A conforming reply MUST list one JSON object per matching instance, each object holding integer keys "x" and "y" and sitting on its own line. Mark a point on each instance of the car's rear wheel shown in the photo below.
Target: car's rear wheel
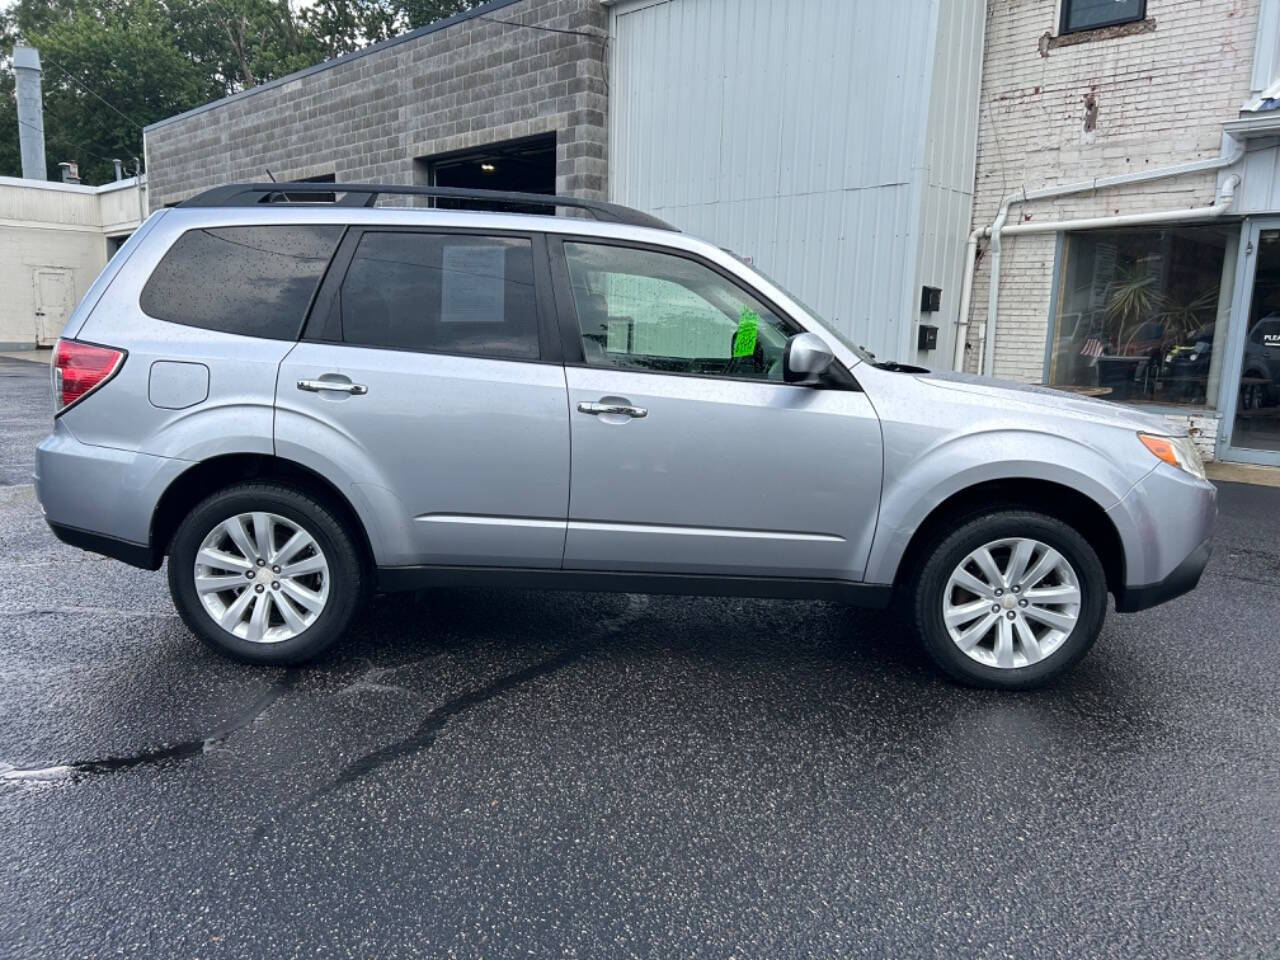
{"x": 1010, "y": 600}
{"x": 266, "y": 574}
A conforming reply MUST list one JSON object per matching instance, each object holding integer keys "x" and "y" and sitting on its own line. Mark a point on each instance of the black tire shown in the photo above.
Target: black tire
{"x": 946, "y": 554}
{"x": 348, "y": 575}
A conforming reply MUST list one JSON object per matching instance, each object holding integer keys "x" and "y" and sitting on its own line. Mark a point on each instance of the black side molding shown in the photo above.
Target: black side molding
{"x": 1183, "y": 580}
{"x": 134, "y": 554}
{"x": 875, "y": 595}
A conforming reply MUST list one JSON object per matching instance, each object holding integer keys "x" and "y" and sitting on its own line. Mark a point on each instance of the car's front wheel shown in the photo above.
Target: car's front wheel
{"x": 266, "y": 574}
{"x": 1010, "y": 599}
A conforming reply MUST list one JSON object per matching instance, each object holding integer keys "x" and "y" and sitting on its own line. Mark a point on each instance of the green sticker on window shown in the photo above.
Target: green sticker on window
{"x": 744, "y": 340}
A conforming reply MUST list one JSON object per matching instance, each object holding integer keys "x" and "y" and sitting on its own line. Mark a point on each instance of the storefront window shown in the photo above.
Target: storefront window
{"x": 1257, "y": 423}
{"x": 1141, "y": 314}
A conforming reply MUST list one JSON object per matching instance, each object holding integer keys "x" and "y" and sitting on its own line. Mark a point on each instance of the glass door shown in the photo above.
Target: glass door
{"x": 1251, "y": 392}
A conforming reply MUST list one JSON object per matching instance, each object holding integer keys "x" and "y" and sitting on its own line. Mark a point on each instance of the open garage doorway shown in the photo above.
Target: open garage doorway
{"x": 527, "y": 165}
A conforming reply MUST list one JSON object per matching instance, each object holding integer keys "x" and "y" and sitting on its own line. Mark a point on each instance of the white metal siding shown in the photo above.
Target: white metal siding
{"x": 793, "y": 133}
{"x": 1266, "y": 51}
{"x": 950, "y": 156}
{"x": 1259, "y": 172}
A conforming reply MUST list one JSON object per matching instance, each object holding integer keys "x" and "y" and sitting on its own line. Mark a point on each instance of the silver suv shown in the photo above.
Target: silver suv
{"x": 301, "y": 398}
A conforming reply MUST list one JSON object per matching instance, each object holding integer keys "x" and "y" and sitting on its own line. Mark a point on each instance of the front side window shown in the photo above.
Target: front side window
{"x": 1091, "y": 14}
{"x": 252, "y": 281}
{"x": 1138, "y": 315}
{"x": 442, "y": 293}
{"x": 662, "y": 313}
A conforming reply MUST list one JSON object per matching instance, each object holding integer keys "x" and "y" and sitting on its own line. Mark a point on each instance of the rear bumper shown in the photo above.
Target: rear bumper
{"x": 1182, "y": 580}
{"x": 134, "y": 554}
{"x": 100, "y": 498}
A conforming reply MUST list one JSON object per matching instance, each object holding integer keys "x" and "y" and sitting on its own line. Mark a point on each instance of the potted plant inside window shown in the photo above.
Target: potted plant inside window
{"x": 1132, "y": 313}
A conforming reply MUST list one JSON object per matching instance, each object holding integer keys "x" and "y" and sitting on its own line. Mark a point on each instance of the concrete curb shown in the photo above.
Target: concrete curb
{"x": 1243, "y": 473}
{"x": 31, "y": 356}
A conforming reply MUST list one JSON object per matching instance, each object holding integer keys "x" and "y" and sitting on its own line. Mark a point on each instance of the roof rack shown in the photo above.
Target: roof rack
{"x": 366, "y": 195}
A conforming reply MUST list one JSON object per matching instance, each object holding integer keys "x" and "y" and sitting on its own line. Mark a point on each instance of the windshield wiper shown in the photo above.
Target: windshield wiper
{"x": 893, "y": 366}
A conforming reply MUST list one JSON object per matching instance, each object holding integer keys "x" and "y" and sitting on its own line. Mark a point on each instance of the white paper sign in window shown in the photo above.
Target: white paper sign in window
{"x": 474, "y": 282}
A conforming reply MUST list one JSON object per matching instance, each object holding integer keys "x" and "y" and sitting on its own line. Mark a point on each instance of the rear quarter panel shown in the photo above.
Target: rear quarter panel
{"x": 109, "y": 273}
{"x": 236, "y": 415}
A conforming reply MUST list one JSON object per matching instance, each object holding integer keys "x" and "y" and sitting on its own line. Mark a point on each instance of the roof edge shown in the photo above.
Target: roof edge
{"x": 80, "y": 188}
{"x": 430, "y": 28}
{"x": 1248, "y": 125}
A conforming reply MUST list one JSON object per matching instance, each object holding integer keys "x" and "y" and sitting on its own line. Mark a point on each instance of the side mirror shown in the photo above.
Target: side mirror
{"x": 806, "y": 359}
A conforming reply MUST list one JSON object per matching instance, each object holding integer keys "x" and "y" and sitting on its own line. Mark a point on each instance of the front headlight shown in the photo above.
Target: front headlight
{"x": 1180, "y": 452}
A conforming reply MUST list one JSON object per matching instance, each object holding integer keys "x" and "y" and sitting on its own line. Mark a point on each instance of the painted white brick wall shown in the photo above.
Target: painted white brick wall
{"x": 1162, "y": 96}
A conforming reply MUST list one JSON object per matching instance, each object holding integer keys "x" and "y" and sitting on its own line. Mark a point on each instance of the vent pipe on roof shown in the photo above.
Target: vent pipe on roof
{"x": 26, "y": 68}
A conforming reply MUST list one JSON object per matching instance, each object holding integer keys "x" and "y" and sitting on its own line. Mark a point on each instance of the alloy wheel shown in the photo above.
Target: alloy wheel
{"x": 1011, "y": 603}
{"x": 261, "y": 577}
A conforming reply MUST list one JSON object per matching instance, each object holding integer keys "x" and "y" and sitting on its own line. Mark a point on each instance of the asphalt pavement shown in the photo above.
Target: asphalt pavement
{"x": 509, "y": 774}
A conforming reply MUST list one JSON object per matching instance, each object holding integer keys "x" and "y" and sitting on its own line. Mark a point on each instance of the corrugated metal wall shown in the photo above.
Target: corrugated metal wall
{"x": 950, "y": 158}
{"x": 795, "y": 134}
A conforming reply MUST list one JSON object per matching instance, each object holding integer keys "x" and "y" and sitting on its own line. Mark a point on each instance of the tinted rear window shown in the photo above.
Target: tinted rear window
{"x": 442, "y": 293}
{"x": 253, "y": 281}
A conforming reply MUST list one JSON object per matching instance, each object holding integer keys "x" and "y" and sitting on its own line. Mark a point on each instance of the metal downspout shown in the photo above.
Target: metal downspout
{"x": 966, "y": 295}
{"x": 993, "y": 289}
{"x": 987, "y": 336}
{"x": 1226, "y": 196}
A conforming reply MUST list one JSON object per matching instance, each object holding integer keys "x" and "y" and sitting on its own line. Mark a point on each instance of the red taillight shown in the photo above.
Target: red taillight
{"x": 79, "y": 369}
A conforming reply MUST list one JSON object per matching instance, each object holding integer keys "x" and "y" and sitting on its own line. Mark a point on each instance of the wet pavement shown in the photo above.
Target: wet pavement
{"x": 503, "y": 774}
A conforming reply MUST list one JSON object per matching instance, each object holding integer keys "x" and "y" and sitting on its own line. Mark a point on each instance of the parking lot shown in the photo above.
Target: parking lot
{"x": 502, "y": 774}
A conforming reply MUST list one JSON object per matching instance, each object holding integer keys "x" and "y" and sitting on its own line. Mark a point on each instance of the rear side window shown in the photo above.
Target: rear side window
{"x": 253, "y": 281}
{"x": 442, "y": 293}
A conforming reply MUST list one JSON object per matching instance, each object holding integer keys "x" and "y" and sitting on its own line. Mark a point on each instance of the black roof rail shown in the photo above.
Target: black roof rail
{"x": 366, "y": 195}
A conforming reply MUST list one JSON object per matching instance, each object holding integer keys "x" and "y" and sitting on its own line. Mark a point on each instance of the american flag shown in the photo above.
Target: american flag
{"x": 1092, "y": 348}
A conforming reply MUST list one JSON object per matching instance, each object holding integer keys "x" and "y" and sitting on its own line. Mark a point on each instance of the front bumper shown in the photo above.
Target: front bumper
{"x": 1182, "y": 580}
{"x": 1165, "y": 524}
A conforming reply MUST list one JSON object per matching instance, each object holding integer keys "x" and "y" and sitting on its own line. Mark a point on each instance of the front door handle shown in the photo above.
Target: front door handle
{"x": 616, "y": 409}
{"x": 337, "y": 386}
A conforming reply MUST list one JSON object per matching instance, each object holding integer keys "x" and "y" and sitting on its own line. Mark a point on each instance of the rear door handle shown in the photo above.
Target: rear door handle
{"x": 617, "y": 409}
{"x": 337, "y": 386}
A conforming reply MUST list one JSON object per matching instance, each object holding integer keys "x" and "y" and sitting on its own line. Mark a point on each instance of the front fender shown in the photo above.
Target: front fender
{"x": 915, "y": 486}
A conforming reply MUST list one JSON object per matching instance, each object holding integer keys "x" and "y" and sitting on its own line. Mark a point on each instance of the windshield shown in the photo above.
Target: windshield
{"x": 861, "y": 352}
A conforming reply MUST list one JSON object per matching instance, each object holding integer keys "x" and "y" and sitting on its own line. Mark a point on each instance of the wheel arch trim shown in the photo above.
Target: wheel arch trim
{"x": 207, "y": 476}
{"x": 910, "y": 516}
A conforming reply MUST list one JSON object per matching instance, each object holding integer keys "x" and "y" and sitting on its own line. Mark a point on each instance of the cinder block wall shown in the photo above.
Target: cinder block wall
{"x": 366, "y": 117}
{"x": 1162, "y": 90}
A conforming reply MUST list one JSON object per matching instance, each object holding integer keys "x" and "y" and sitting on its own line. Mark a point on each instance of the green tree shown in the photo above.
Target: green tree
{"x": 419, "y": 13}
{"x": 113, "y": 66}
{"x": 10, "y": 157}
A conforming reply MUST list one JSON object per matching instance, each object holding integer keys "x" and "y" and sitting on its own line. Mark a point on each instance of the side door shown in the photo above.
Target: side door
{"x": 54, "y": 298}
{"x": 429, "y": 378}
{"x": 690, "y": 453}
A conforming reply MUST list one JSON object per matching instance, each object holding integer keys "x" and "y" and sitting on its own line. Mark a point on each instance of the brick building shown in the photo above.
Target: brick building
{"x": 412, "y": 109}
{"x": 1163, "y": 307}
